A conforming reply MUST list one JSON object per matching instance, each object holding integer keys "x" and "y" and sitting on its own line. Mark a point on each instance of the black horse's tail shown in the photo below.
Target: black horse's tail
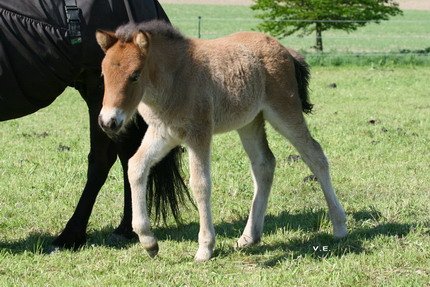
{"x": 166, "y": 191}
{"x": 302, "y": 76}
{"x": 166, "y": 187}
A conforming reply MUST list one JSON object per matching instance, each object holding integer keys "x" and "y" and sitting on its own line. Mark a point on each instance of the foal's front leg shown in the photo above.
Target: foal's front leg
{"x": 200, "y": 182}
{"x": 155, "y": 145}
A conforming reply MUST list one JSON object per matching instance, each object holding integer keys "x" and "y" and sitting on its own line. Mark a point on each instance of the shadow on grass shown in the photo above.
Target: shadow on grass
{"x": 41, "y": 243}
{"x": 307, "y": 221}
{"x": 323, "y": 245}
{"x": 35, "y": 243}
{"x": 318, "y": 245}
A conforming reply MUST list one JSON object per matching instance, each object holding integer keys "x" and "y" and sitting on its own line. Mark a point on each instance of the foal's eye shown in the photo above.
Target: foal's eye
{"x": 135, "y": 76}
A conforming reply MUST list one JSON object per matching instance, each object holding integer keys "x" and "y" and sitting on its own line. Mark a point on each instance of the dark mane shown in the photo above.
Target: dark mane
{"x": 155, "y": 27}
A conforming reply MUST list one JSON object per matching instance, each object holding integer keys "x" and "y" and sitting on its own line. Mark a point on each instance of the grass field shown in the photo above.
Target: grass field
{"x": 404, "y": 39}
{"x": 375, "y": 129}
{"x": 410, "y": 31}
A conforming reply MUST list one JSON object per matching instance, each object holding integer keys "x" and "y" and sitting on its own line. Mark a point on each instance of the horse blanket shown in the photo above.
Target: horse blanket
{"x": 38, "y": 60}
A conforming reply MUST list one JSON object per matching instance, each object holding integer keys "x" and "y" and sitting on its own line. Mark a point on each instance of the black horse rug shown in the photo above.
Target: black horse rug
{"x": 47, "y": 45}
{"x": 52, "y": 41}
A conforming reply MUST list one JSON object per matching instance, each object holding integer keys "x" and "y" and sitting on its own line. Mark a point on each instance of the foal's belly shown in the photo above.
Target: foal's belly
{"x": 234, "y": 120}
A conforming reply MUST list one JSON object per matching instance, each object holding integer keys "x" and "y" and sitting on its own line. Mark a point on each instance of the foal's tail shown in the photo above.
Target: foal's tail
{"x": 302, "y": 76}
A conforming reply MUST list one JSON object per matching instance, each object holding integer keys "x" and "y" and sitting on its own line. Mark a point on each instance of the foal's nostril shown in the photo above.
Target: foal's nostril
{"x": 112, "y": 125}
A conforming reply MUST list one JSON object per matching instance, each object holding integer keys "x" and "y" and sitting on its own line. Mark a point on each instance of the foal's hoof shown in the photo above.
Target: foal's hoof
{"x": 203, "y": 254}
{"x": 150, "y": 244}
{"x": 340, "y": 232}
{"x": 246, "y": 241}
{"x": 152, "y": 251}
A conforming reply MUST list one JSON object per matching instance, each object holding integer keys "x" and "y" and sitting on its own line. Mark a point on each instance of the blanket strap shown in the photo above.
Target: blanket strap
{"x": 73, "y": 14}
{"x": 128, "y": 9}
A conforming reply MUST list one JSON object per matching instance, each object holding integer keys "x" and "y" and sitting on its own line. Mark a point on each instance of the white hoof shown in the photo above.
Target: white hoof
{"x": 246, "y": 241}
{"x": 203, "y": 254}
{"x": 338, "y": 219}
{"x": 150, "y": 244}
{"x": 153, "y": 251}
{"x": 340, "y": 231}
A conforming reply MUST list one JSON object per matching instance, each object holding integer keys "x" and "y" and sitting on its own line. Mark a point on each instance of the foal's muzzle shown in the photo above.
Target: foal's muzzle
{"x": 111, "y": 121}
{"x": 110, "y": 126}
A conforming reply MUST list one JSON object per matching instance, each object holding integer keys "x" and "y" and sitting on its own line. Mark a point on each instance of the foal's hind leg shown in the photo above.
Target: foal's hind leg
{"x": 253, "y": 137}
{"x": 200, "y": 182}
{"x": 292, "y": 125}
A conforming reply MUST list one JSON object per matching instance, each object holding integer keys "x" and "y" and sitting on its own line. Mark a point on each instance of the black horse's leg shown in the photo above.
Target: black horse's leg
{"x": 124, "y": 228}
{"x": 166, "y": 186}
{"x": 100, "y": 159}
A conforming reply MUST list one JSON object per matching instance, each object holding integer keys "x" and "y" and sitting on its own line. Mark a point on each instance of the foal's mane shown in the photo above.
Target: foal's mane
{"x": 161, "y": 28}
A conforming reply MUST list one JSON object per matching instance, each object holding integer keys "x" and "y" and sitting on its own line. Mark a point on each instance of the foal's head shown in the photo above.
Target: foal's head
{"x": 122, "y": 69}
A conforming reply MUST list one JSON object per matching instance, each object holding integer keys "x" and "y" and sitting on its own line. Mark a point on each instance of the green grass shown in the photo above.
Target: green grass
{"x": 403, "y": 39}
{"x": 374, "y": 60}
{"x": 381, "y": 173}
{"x": 374, "y": 128}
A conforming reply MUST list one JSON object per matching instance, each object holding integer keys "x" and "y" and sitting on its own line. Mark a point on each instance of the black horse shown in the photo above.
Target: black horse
{"x": 47, "y": 45}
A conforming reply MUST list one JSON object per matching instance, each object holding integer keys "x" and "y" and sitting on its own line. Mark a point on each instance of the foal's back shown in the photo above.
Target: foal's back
{"x": 236, "y": 76}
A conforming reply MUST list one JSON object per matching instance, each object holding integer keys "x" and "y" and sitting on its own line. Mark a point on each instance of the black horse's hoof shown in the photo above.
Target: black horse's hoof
{"x": 70, "y": 240}
{"x": 125, "y": 232}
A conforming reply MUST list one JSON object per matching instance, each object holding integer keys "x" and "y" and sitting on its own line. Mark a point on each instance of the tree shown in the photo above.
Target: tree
{"x": 285, "y": 17}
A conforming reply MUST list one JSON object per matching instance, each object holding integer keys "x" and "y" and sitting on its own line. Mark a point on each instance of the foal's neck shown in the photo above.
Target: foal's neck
{"x": 165, "y": 59}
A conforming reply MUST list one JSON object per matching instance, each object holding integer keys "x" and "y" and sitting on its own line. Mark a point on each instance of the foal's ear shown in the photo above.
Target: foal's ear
{"x": 105, "y": 39}
{"x": 142, "y": 40}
